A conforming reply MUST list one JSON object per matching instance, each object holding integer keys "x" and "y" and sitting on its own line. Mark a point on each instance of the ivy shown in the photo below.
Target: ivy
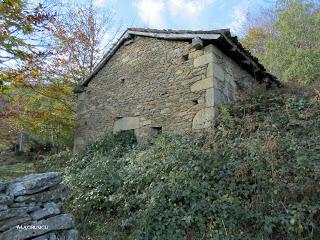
{"x": 255, "y": 175}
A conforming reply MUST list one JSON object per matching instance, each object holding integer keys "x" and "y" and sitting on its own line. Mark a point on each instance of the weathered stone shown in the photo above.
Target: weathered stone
{"x": 203, "y": 60}
{"x": 72, "y": 234}
{"x": 197, "y": 43}
{"x": 210, "y": 97}
{"x": 213, "y": 49}
{"x": 23, "y": 204}
{"x": 203, "y": 118}
{"x": 195, "y": 54}
{"x": 210, "y": 69}
{"x": 49, "y": 209}
{"x": 46, "y": 237}
{"x": 3, "y": 207}
{"x": 12, "y": 222}
{"x": 33, "y": 183}
{"x": 145, "y": 123}
{"x": 126, "y": 123}
{"x": 203, "y": 84}
{"x": 5, "y": 199}
{"x": 16, "y": 212}
{"x": 29, "y": 216}
{"x": 218, "y": 71}
{"x": 3, "y": 186}
{"x": 59, "y": 192}
{"x": 37, "y": 228}
{"x": 214, "y": 97}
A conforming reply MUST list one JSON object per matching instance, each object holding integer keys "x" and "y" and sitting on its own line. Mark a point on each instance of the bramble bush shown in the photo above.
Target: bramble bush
{"x": 254, "y": 175}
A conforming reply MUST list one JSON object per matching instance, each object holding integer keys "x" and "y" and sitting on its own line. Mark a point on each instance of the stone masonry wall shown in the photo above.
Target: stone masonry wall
{"x": 150, "y": 84}
{"x": 31, "y": 208}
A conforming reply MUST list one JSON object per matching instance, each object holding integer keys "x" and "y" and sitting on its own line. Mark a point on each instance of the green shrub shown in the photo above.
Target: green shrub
{"x": 53, "y": 162}
{"x": 254, "y": 176}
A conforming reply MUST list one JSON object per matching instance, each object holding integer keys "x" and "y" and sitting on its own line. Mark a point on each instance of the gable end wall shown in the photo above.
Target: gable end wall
{"x": 151, "y": 83}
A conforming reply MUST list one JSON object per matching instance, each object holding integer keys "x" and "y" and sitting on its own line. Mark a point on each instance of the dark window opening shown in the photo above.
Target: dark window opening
{"x": 185, "y": 57}
{"x": 122, "y": 80}
{"x": 86, "y": 123}
{"x": 156, "y": 130}
{"x": 117, "y": 118}
{"x": 195, "y": 102}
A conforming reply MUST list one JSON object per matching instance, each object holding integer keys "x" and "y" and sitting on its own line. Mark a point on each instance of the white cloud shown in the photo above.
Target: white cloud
{"x": 188, "y": 8}
{"x": 239, "y": 14}
{"x": 99, "y": 2}
{"x": 151, "y": 12}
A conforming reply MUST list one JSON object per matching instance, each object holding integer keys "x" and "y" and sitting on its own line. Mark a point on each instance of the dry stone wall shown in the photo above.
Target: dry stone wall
{"x": 31, "y": 208}
{"x": 151, "y": 84}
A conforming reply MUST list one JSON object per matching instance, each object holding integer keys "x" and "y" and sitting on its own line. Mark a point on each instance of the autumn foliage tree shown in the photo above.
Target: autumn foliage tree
{"x": 43, "y": 101}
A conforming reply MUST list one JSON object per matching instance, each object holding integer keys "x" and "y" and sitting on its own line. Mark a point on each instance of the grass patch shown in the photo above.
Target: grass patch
{"x": 11, "y": 171}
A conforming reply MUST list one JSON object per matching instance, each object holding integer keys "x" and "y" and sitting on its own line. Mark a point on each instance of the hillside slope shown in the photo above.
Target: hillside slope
{"x": 254, "y": 175}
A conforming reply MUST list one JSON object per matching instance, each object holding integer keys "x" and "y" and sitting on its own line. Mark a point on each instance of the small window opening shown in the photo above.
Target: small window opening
{"x": 195, "y": 102}
{"x": 85, "y": 123}
{"x": 156, "y": 130}
{"x": 117, "y": 118}
{"x": 122, "y": 80}
{"x": 185, "y": 57}
{"x": 164, "y": 93}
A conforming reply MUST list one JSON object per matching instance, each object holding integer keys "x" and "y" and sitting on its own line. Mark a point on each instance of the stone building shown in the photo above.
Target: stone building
{"x": 164, "y": 80}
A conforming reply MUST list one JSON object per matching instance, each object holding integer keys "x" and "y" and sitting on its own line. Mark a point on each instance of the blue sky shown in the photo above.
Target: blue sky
{"x": 183, "y": 14}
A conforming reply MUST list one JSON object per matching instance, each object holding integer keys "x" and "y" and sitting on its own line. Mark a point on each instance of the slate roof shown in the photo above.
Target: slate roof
{"x": 221, "y": 38}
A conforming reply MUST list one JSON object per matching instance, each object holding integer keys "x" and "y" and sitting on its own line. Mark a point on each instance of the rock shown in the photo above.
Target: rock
{"x": 5, "y": 199}
{"x": 203, "y": 60}
{"x": 44, "y": 237}
{"x": 37, "y": 228}
{"x": 3, "y": 186}
{"x": 16, "y": 212}
{"x": 12, "y": 222}
{"x": 206, "y": 83}
{"x": 33, "y": 183}
{"x": 203, "y": 118}
{"x": 49, "y": 209}
{"x": 72, "y": 235}
{"x": 214, "y": 97}
{"x": 22, "y": 204}
{"x": 56, "y": 193}
{"x": 126, "y": 123}
{"x": 48, "y": 236}
{"x": 197, "y": 43}
{"x": 3, "y": 207}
